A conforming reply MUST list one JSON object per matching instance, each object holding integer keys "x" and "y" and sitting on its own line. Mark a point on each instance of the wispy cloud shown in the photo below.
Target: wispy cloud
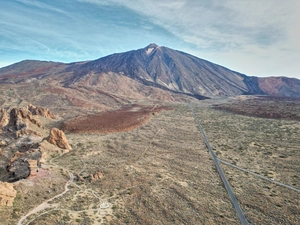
{"x": 235, "y": 33}
{"x": 41, "y": 5}
{"x": 229, "y": 30}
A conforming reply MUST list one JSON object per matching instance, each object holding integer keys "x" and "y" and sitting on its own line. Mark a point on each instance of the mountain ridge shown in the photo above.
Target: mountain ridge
{"x": 163, "y": 68}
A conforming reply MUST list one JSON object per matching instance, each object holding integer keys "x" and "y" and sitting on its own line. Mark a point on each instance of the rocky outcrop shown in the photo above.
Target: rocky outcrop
{"x": 18, "y": 170}
{"x": 19, "y": 117}
{"x": 96, "y": 176}
{"x": 33, "y": 167}
{"x": 40, "y": 111}
{"x": 7, "y": 194}
{"x": 58, "y": 138}
{"x": 3, "y": 118}
{"x": 23, "y": 164}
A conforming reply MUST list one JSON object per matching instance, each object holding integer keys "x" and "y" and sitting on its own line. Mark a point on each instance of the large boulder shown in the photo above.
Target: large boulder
{"x": 7, "y": 194}
{"x": 58, "y": 138}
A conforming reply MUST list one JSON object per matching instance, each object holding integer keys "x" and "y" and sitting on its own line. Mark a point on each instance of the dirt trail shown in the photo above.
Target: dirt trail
{"x": 46, "y": 204}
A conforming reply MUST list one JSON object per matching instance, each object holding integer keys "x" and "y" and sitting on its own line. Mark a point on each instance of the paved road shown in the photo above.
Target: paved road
{"x": 260, "y": 176}
{"x": 222, "y": 175}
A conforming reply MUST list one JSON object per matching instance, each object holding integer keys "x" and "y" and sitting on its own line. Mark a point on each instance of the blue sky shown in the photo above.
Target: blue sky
{"x": 254, "y": 37}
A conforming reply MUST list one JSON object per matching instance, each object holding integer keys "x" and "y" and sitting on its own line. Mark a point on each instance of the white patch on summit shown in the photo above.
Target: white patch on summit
{"x": 149, "y": 50}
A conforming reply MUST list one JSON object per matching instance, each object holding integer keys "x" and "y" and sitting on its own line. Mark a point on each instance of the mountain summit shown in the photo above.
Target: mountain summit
{"x": 169, "y": 70}
{"x": 173, "y": 70}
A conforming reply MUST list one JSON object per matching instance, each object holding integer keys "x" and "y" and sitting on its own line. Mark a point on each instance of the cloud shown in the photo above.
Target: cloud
{"x": 228, "y": 32}
{"x": 234, "y": 33}
{"x": 214, "y": 22}
{"x": 41, "y": 5}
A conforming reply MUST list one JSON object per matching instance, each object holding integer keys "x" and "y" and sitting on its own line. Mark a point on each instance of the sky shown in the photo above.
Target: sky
{"x": 253, "y": 37}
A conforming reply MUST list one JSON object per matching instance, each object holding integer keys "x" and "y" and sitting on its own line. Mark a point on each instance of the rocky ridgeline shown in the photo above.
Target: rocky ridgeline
{"x": 40, "y": 111}
{"x": 21, "y": 139}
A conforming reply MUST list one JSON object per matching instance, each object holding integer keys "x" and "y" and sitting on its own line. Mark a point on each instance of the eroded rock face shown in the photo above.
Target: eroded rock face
{"x": 40, "y": 111}
{"x": 7, "y": 194}
{"x": 96, "y": 176}
{"x": 18, "y": 170}
{"x": 3, "y": 118}
{"x": 58, "y": 138}
{"x": 23, "y": 164}
{"x": 18, "y": 118}
{"x": 33, "y": 166}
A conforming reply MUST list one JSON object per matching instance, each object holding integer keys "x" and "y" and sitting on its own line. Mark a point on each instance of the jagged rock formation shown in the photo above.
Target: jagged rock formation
{"x": 7, "y": 194}
{"x": 40, "y": 111}
{"x": 3, "y": 118}
{"x": 96, "y": 176}
{"x": 23, "y": 157}
{"x": 19, "y": 117}
{"x": 23, "y": 164}
{"x": 58, "y": 138}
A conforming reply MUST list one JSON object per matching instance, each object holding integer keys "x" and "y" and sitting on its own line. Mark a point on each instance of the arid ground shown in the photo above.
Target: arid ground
{"x": 161, "y": 172}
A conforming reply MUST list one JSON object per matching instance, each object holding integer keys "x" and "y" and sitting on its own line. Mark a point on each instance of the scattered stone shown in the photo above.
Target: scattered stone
{"x": 7, "y": 194}
{"x": 58, "y": 138}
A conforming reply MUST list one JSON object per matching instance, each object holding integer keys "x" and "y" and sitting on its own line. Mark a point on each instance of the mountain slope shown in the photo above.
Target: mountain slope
{"x": 280, "y": 86}
{"x": 29, "y": 68}
{"x": 156, "y": 67}
{"x": 173, "y": 70}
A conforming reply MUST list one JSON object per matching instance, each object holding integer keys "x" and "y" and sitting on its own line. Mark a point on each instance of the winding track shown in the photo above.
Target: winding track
{"x": 44, "y": 205}
{"x": 221, "y": 173}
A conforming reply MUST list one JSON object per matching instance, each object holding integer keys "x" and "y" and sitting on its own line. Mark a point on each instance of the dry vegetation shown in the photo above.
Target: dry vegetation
{"x": 161, "y": 172}
{"x": 269, "y": 147}
{"x": 265, "y": 107}
{"x": 124, "y": 119}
